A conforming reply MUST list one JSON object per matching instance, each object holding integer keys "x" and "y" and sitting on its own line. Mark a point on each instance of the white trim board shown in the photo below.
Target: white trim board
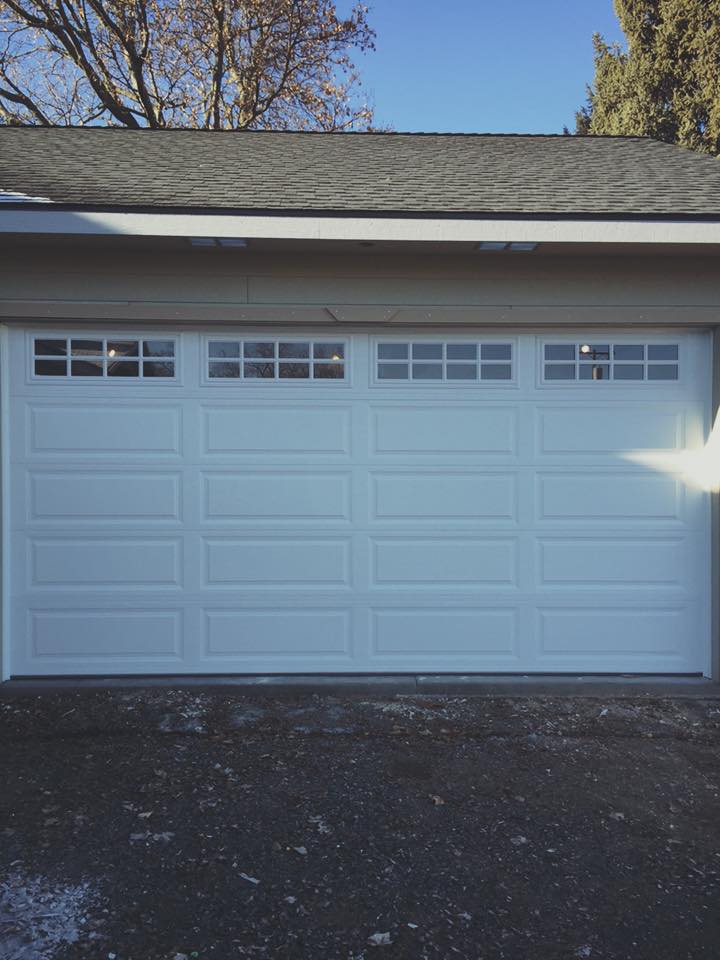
{"x": 425, "y": 229}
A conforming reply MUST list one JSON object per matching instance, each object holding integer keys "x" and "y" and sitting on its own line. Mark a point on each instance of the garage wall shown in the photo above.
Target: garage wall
{"x": 197, "y": 284}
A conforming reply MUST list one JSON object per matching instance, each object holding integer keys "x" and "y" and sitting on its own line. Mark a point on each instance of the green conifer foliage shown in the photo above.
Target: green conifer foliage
{"x": 666, "y": 82}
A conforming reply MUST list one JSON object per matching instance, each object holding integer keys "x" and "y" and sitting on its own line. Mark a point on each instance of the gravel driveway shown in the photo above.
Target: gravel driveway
{"x": 140, "y": 825}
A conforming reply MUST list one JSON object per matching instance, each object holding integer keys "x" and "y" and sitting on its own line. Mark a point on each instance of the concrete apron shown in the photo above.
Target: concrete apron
{"x": 475, "y": 685}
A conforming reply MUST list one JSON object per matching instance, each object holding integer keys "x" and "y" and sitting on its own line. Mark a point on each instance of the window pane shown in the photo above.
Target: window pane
{"x": 596, "y": 371}
{"x": 122, "y": 348}
{"x": 628, "y": 371}
{"x": 86, "y": 368}
{"x": 427, "y": 371}
{"x": 218, "y": 370}
{"x": 496, "y": 351}
{"x": 259, "y": 370}
{"x": 329, "y": 371}
{"x": 495, "y": 371}
{"x": 392, "y": 371}
{"x": 51, "y": 348}
{"x": 392, "y": 351}
{"x": 663, "y": 352}
{"x": 329, "y": 351}
{"x": 296, "y": 351}
{"x": 158, "y": 348}
{"x": 663, "y": 371}
{"x": 123, "y": 368}
{"x": 560, "y": 351}
{"x": 162, "y": 368}
{"x": 462, "y": 371}
{"x": 427, "y": 351}
{"x": 222, "y": 348}
{"x": 560, "y": 371}
{"x": 257, "y": 349}
{"x": 294, "y": 371}
{"x": 598, "y": 351}
{"x": 50, "y": 368}
{"x": 462, "y": 351}
{"x": 92, "y": 348}
{"x": 627, "y": 352}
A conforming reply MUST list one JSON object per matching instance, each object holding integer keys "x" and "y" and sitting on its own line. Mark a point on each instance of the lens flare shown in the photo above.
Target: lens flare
{"x": 698, "y": 468}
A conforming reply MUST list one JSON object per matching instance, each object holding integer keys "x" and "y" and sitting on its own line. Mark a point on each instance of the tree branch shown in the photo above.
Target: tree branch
{"x": 14, "y": 95}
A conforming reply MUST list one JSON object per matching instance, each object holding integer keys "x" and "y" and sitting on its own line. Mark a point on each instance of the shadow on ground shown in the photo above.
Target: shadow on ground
{"x": 155, "y": 825}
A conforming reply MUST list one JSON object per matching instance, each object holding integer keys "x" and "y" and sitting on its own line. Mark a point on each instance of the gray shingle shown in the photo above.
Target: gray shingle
{"x": 364, "y": 173}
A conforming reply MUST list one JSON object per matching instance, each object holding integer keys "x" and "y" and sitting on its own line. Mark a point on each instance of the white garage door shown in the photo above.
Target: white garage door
{"x": 284, "y": 502}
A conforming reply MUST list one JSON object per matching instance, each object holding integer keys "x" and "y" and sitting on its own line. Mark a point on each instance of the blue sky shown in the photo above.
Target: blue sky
{"x": 501, "y": 66}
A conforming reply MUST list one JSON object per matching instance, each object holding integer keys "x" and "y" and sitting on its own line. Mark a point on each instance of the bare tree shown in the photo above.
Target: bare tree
{"x": 218, "y": 64}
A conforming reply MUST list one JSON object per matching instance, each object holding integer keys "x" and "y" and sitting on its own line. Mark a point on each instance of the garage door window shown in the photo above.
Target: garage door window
{"x": 451, "y": 362}
{"x": 124, "y": 357}
{"x": 602, "y": 362}
{"x": 276, "y": 360}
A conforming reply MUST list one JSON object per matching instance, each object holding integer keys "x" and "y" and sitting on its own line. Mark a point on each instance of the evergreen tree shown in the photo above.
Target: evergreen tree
{"x": 666, "y": 83}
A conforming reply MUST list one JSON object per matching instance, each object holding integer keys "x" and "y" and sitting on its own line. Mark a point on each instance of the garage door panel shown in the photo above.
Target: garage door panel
{"x": 277, "y": 496}
{"x": 605, "y": 632}
{"x": 104, "y": 562}
{"x": 105, "y": 634}
{"x": 444, "y": 430}
{"x": 619, "y": 497}
{"x": 100, "y": 429}
{"x": 623, "y": 563}
{"x": 277, "y": 563}
{"x": 300, "y": 632}
{"x": 612, "y": 429}
{"x": 440, "y": 562}
{"x": 257, "y": 428}
{"x": 108, "y": 497}
{"x": 424, "y": 496}
{"x": 441, "y": 632}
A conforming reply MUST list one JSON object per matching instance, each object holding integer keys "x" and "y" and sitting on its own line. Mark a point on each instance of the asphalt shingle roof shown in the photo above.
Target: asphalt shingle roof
{"x": 395, "y": 173}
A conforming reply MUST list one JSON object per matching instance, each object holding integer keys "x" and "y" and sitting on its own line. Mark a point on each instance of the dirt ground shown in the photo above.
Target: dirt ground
{"x": 164, "y": 825}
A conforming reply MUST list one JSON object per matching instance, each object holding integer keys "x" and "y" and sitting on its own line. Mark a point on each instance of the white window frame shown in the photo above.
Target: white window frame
{"x": 106, "y": 335}
{"x": 613, "y": 340}
{"x": 285, "y": 383}
{"x": 444, "y": 383}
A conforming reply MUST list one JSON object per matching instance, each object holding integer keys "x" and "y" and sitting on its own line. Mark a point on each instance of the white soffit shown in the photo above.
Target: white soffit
{"x": 45, "y": 221}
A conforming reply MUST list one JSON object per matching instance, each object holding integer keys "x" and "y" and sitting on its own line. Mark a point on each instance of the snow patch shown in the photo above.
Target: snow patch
{"x": 38, "y": 917}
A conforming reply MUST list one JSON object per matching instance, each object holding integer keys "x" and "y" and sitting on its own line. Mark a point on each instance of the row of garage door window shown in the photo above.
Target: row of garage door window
{"x": 230, "y": 359}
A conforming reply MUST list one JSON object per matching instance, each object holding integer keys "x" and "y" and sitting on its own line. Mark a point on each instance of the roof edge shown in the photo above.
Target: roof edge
{"x": 368, "y": 214}
{"x": 486, "y": 134}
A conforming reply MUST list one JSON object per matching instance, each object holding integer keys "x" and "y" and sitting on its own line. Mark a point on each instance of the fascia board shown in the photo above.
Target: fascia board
{"x": 425, "y": 230}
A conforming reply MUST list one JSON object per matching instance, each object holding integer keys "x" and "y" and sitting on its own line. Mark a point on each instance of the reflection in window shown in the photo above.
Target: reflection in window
{"x": 439, "y": 361}
{"x": 276, "y": 360}
{"x": 602, "y": 362}
{"x": 97, "y": 357}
